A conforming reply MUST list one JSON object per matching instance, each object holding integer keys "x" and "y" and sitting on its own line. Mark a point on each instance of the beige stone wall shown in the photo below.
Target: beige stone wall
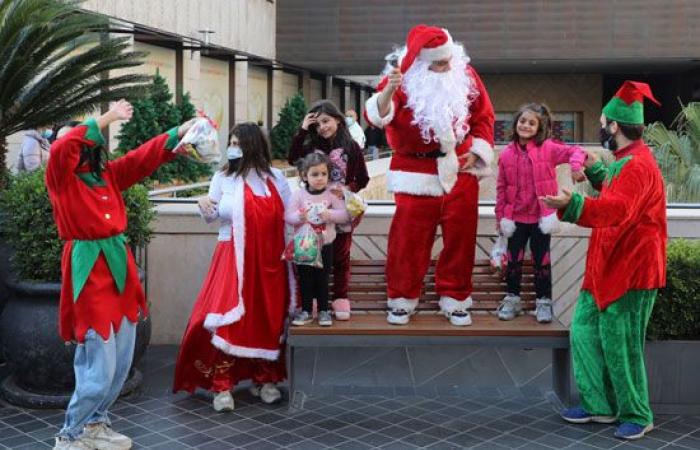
{"x": 315, "y": 91}
{"x": 246, "y": 25}
{"x": 561, "y": 92}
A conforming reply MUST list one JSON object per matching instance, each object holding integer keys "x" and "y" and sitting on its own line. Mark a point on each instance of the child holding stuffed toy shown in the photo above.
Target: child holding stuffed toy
{"x": 314, "y": 204}
{"x": 526, "y": 172}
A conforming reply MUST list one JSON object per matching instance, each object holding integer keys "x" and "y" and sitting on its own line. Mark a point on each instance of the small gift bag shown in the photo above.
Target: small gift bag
{"x": 498, "y": 253}
{"x": 355, "y": 205}
{"x": 201, "y": 142}
{"x": 305, "y": 248}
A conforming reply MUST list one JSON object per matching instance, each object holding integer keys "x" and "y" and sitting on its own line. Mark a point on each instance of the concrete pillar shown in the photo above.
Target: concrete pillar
{"x": 241, "y": 111}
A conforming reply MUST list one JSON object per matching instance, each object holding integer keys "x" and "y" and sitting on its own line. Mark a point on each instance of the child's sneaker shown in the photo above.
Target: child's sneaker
{"x": 398, "y": 316}
{"x": 325, "y": 319}
{"x": 301, "y": 318}
{"x": 543, "y": 310}
{"x": 341, "y": 308}
{"x": 579, "y": 415}
{"x": 631, "y": 431}
{"x": 510, "y": 307}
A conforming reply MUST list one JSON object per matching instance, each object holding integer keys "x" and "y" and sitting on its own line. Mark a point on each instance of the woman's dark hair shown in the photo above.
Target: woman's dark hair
{"x": 544, "y": 117}
{"x": 255, "y": 148}
{"x": 57, "y": 127}
{"x": 342, "y": 137}
{"x": 311, "y": 160}
{"x": 95, "y": 158}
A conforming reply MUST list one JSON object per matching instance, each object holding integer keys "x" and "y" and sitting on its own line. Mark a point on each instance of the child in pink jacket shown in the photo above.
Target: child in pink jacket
{"x": 314, "y": 203}
{"x": 527, "y": 172}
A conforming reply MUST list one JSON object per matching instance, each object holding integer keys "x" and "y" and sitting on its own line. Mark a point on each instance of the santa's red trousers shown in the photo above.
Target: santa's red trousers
{"x": 412, "y": 235}
{"x": 341, "y": 264}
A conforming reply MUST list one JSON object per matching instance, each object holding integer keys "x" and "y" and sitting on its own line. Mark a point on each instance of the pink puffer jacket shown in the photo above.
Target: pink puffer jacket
{"x": 512, "y": 179}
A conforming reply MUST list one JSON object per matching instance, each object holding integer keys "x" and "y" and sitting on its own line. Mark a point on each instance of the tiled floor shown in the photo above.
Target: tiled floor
{"x": 156, "y": 419}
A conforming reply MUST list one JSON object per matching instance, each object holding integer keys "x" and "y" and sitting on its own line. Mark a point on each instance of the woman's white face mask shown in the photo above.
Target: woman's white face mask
{"x": 234, "y": 152}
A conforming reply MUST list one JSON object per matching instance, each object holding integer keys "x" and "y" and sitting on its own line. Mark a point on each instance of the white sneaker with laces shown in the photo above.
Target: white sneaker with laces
{"x": 66, "y": 444}
{"x": 268, "y": 393}
{"x": 223, "y": 401}
{"x": 102, "y": 437}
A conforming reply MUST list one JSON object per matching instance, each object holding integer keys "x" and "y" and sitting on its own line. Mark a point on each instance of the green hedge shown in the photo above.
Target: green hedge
{"x": 677, "y": 310}
{"x": 27, "y": 225}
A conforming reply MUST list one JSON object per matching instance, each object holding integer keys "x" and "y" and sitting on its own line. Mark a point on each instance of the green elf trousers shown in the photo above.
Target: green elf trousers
{"x": 608, "y": 355}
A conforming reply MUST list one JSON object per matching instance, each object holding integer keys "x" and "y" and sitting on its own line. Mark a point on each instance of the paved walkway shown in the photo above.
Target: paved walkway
{"x": 156, "y": 419}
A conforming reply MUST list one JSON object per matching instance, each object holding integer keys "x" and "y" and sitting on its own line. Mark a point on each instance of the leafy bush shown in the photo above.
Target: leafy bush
{"x": 677, "y": 310}
{"x": 27, "y": 225}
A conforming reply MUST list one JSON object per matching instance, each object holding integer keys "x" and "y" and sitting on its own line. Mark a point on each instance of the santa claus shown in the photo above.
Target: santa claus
{"x": 439, "y": 122}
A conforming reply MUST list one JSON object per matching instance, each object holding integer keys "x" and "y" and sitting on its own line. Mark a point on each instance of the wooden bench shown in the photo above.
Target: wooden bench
{"x": 368, "y": 326}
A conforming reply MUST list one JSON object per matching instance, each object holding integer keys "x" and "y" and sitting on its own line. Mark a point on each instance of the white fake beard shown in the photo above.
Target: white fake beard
{"x": 440, "y": 100}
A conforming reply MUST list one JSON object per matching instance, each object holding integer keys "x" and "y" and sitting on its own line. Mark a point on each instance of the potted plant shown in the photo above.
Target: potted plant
{"x": 673, "y": 352}
{"x": 41, "y": 364}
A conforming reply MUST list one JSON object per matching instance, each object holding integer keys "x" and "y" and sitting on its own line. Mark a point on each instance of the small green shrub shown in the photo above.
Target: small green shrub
{"x": 676, "y": 313}
{"x": 27, "y": 225}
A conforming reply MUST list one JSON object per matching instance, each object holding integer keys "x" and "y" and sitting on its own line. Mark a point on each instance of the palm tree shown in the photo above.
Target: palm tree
{"x": 54, "y": 65}
{"x": 678, "y": 153}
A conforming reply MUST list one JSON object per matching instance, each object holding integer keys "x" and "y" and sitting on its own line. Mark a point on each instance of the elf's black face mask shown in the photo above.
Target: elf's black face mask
{"x": 607, "y": 140}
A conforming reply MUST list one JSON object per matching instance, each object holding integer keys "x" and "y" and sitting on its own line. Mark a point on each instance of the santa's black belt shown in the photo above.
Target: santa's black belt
{"x": 433, "y": 154}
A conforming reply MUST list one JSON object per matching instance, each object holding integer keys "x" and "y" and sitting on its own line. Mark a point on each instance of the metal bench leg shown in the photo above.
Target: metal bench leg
{"x": 561, "y": 374}
{"x": 290, "y": 369}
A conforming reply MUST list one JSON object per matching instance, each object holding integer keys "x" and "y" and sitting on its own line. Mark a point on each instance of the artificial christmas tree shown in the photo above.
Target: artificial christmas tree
{"x": 153, "y": 114}
{"x": 290, "y": 118}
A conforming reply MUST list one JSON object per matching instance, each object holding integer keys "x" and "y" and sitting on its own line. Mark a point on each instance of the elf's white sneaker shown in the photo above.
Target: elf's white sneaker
{"x": 268, "y": 393}
{"x": 102, "y": 437}
{"x": 66, "y": 444}
{"x": 223, "y": 401}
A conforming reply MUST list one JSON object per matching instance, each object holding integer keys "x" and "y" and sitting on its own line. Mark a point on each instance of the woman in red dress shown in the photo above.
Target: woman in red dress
{"x": 238, "y": 323}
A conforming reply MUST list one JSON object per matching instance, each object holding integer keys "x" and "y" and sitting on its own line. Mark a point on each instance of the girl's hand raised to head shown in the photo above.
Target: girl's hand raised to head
{"x": 309, "y": 119}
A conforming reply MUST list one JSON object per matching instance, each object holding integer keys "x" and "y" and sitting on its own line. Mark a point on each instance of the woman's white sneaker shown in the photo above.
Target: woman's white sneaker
{"x": 223, "y": 401}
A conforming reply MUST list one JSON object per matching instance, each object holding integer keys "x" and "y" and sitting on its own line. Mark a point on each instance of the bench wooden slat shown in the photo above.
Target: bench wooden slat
{"x": 436, "y": 325}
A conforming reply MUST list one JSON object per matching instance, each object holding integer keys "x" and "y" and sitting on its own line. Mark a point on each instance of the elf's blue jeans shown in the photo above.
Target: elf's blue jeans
{"x": 101, "y": 368}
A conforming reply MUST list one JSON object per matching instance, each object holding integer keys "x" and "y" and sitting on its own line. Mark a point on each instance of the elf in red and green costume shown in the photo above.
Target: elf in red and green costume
{"x": 101, "y": 295}
{"x": 625, "y": 265}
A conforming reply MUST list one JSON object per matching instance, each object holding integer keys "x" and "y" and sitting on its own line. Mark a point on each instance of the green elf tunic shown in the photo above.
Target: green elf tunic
{"x": 626, "y": 264}
{"x": 100, "y": 283}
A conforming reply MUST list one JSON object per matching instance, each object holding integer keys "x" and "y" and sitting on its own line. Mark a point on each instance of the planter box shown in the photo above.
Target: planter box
{"x": 673, "y": 368}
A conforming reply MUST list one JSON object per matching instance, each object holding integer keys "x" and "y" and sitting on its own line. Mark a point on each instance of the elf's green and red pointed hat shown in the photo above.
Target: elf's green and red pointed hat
{"x": 627, "y": 106}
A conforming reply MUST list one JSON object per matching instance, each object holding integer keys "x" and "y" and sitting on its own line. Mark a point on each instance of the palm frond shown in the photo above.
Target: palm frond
{"x": 55, "y": 63}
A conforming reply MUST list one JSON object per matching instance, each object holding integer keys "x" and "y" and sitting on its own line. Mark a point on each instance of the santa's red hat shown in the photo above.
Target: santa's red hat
{"x": 427, "y": 44}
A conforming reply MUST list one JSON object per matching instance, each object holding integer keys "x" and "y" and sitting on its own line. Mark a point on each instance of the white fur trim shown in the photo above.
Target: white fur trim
{"x": 244, "y": 352}
{"x": 437, "y": 53}
{"x": 407, "y": 304}
{"x": 549, "y": 224}
{"x": 483, "y": 150}
{"x": 372, "y": 109}
{"x": 450, "y": 305}
{"x": 414, "y": 183}
{"x": 507, "y": 227}
{"x": 448, "y": 165}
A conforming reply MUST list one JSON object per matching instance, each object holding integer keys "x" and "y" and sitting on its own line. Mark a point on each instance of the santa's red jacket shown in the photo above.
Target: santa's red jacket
{"x": 413, "y": 174}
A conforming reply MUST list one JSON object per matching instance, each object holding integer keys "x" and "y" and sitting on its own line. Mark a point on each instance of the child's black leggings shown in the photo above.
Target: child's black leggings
{"x": 539, "y": 246}
{"x": 314, "y": 281}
